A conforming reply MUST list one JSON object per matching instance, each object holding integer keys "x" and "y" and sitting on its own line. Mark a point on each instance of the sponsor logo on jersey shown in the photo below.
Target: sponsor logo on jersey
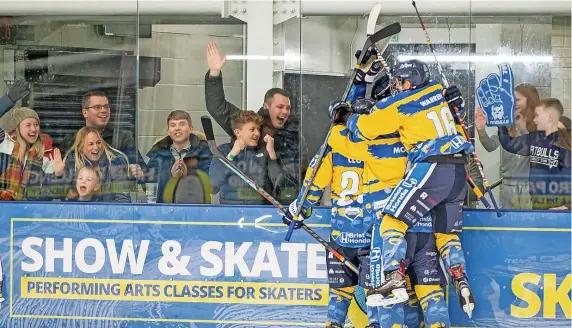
{"x": 375, "y": 254}
{"x": 352, "y": 211}
{"x": 354, "y": 238}
{"x": 379, "y": 204}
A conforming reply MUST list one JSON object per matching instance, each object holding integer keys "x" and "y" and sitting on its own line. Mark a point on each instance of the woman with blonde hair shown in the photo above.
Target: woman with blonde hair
{"x": 25, "y": 157}
{"x": 89, "y": 149}
{"x": 514, "y": 169}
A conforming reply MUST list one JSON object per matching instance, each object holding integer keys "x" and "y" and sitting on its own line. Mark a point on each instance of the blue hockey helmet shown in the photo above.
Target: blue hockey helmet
{"x": 414, "y": 71}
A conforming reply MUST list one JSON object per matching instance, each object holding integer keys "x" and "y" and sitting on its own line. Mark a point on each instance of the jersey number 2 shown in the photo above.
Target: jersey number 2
{"x": 350, "y": 186}
{"x": 444, "y": 123}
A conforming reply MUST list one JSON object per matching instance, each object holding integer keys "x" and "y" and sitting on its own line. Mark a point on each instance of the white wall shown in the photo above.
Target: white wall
{"x": 182, "y": 49}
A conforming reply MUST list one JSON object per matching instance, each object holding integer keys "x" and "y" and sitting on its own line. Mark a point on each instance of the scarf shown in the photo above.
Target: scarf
{"x": 14, "y": 180}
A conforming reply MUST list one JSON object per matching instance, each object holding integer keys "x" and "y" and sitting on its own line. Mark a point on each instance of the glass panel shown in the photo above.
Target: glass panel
{"x": 524, "y": 43}
{"x": 171, "y": 136}
{"x": 49, "y": 66}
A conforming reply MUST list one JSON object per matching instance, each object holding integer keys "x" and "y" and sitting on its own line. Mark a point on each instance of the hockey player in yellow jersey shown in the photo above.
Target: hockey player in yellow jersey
{"x": 436, "y": 181}
{"x": 385, "y": 163}
{"x": 350, "y": 228}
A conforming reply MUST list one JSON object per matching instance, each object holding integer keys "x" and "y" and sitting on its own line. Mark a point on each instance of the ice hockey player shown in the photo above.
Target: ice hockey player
{"x": 385, "y": 163}
{"x": 436, "y": 181}
{"x": 350, "y": 228}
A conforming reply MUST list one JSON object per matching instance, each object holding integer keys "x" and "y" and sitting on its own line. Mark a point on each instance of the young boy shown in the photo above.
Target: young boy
{"x": 549, "y": 151}
{"x": 256, "y": 159}
{"x": 88, "y": 184}
{"x": 173, "y": 156}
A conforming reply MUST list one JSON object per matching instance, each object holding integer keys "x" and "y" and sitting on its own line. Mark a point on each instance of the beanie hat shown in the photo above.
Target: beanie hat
{"x": 22, "y": 113}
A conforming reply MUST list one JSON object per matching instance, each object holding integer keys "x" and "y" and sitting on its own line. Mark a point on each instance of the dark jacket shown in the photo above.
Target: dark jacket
{"x": 252, "y": 161}
{"x": 289, "y": 144}
{"x": 161, "y": 160}
{"x": 114, "y": 178}
{"x": 550, "y": 167}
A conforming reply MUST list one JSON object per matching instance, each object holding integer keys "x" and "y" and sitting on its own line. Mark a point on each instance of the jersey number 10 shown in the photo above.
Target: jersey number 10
{"x": 445, "y": 124}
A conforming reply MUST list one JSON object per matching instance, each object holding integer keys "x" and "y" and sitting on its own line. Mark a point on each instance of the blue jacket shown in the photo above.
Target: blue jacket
{"x": 550, "y": 168}
{"x": 161, "y": 160}
{"x": 252, "y": 161}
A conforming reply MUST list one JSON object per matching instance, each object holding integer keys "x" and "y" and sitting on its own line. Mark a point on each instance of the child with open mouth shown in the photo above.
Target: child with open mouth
{"x": 87, "y": 185}
{"x": 90, "y": 150}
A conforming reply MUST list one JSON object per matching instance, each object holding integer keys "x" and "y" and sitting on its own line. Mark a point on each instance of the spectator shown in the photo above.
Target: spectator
{"x": 87, "y": 185}
{"x": 549, "y": 151}
{"x": 97, "y": 111}
{"x": 289, "y": 144}
{"x": 257, "y": 162}
{"x": 514, "y": 168}
{"x": 89, "y": 149}
{"x": 177, "y": 155}
{"x": 25, "y": 155}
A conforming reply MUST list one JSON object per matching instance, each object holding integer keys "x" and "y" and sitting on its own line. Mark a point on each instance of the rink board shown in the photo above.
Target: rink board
{"x": 213, "y": 266}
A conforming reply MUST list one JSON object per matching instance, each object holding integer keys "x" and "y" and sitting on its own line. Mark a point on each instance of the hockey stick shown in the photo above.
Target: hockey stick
{"x": 386, "y": 32}
{"x": 208, "y": 130}
{"x": 459, "y": 118}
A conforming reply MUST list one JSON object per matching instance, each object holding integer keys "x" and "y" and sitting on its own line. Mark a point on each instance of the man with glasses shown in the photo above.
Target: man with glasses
{"x": 96, "y": 110}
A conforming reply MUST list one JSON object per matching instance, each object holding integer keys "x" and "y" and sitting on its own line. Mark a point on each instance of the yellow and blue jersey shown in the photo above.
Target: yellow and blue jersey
{"x": 422, "y": 118}
{"x": 385, "y": 162}
{"x": 350, "y": 228}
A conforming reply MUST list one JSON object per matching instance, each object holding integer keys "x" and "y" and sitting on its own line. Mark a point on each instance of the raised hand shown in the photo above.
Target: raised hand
{"x": 480, "y": 119}
{"x": 215, "y": 60}
{"x": 18, "y": 90}
{"x": 270, "y": 146}
{"x": 58, "y": 163}
{"x": 496, "y": 95}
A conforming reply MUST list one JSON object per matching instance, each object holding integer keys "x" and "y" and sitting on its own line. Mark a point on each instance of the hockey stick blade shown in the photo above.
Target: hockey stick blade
{"x": 372, "y": 19}
{"x": 208, "y": 130}
{"x": 207, "y": 127}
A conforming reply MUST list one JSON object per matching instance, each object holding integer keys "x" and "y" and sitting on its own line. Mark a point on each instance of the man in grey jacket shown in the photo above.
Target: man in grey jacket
{"x": 288, "y": 141}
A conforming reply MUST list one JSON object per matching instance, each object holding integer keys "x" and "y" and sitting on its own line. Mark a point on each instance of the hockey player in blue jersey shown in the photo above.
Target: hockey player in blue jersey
{"x": 435, "y": 183}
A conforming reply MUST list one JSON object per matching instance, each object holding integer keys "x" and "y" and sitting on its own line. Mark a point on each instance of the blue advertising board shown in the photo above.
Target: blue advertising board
{"x": 223, "y": 266}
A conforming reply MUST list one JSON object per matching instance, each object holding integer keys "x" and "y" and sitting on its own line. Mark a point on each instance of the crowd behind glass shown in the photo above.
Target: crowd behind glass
{"x": 101, "y": 164}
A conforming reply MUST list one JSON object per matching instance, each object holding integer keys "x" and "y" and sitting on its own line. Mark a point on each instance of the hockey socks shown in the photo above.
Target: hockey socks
{"x": 338, "y": 305}
{"x": 432, "y": 300}
{"x": 394, "y": 246}
{"x": 413, "y": 313}
{"x": 449, "y": 247}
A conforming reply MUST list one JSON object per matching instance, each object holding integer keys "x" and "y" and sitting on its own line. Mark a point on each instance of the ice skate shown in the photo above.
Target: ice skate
{"x": 392, "y": 291}
{"x": 466, "y": 299}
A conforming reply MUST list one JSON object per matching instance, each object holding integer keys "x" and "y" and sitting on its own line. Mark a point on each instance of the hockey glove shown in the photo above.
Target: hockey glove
{"x": 288, "y": 217}
{"x": 339, "y": 111}
{"x": 372, "y": 51}
{"x": 18, "y": 90}
{"x": 369, "y": 75}
{"x": 362, "y": 106}
{"x": 453, "y": 97}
